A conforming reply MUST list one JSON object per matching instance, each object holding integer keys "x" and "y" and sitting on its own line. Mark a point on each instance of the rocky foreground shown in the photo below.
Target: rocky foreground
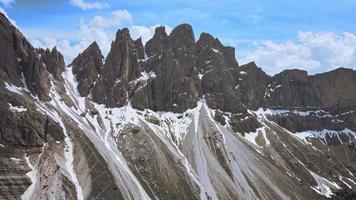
{"x": 176, "y": 118}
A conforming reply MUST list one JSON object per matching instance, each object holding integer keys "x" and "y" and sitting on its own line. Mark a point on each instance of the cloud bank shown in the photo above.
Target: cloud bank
{"x": 100, "y": 29}
{"x": 312, "y": 51}
{"x": 7, "y": 2}
{"x": 82, "y": 4}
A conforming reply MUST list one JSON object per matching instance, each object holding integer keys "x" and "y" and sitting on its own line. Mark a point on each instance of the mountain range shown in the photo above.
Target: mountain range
{"x": 176, "y": 118}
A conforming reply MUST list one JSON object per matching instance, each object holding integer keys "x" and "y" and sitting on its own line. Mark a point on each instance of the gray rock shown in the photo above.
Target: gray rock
{"x": 86, "y": 67}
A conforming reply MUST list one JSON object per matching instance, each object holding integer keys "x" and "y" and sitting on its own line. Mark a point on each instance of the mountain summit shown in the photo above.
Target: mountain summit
{"x": 176, "y": 118}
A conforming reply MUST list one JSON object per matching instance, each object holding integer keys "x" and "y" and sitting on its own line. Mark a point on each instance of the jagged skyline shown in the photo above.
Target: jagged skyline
{"x": 277, "y": 36}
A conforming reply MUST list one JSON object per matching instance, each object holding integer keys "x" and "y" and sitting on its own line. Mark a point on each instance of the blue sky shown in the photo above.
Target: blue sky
{"x": 307, "y": 34}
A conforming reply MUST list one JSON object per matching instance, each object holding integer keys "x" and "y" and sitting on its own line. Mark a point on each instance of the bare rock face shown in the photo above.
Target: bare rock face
{"x": 121, "y": 67}
{"x": 159, "y": 43}
{"x": 291, "y": 88}
{"x": 252, "y": 82}
{"x": 172, "y": 62}
{"x": 53, "y": 61}
{"x": 139, "y": 48}
{"x": 332, "y": 90}
{"x": 217, "y": 81}
{"x": 178, "y": 71}
{"x": 73, "y": 148}
{"x": 86, "y": 67}
{"x": 336, "y": 89}
{"x": 22, "y": 125}
{"x": 20, "y": 63}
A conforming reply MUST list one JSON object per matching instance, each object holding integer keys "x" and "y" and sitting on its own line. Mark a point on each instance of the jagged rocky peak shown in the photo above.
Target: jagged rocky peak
{"x": 122, "y": 59}
{"x": 230, "y": 57}
{"x": 53, "y": 61}
{"x": 175, "y": 75}
{"x": 20, "y": 63}
{"x": 74, "y": 148}
{"x": 206, "y": 40}
{"x": 86, "y": 67}
{"x": 139, "y": 48}
{"x": 159, "y": 43}
{"x": 252, "y": 82}
{"x": 121, "y": 66}
{"x": 182, "y": 38}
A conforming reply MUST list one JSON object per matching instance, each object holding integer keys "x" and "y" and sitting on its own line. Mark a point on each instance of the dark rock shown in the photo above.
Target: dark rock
{"x": 298, "y": 123}
{"x": 252, "y": 82}
{"x": 139, "y": 48}
{"x": 230, "y": 58}
{"x": 218, "y": 83}
{"x": 244, "y": 123}
{"x": 87, "y": 67}
{"x": 336, "y": 89}
{"x": 53, "y": 61}
{"x": 182, "y": 39}
{"x": 219, "y": 117}
{"x": 159, "y": 43}
{"x": 172, "y": 61}
{"x": 20, "y": 64}
{"x": 290, "y": 89}
{"x": 121, "y": 66}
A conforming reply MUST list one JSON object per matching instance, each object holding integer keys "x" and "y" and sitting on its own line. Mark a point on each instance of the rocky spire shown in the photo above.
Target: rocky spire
{"x": 121, "y": 66}
{"x": 53, "y": 61}
{"x": 87, "y": 67}
{"x": 139, "y": 48}
{"x": 20, "y": 63}
{"x": 229, "y": 55}
{"x": 182, "y": 38}
{"x": 159, "y": 43}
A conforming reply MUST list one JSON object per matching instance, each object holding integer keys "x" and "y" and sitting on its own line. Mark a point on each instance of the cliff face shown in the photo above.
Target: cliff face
{"x": 178, "y": 71}
{"x": 175, "y": 74}
{"x": 176, "y": 118}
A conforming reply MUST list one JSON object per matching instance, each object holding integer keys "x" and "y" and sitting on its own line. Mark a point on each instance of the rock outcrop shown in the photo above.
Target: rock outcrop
{"x": 252, "y": 82}
{"x": 174, "y": 119}
{"x": 336, "y": 89}
{"x": 53, "y": 60}
{"x": 24, "y": 66}
{"x": 86, "y": 67}
{"x": 121, "y": 67}
{"x": 176, "y": 73}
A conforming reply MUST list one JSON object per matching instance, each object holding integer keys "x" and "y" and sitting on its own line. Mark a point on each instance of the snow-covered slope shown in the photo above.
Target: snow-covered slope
{"x": 184, "y": 123}
{"x": 165, "y": 155}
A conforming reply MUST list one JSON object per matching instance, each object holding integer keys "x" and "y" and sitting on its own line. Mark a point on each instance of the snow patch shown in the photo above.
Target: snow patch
{"x": 215, "y": 50}
{"x": 33, "y": 177}
{"x": 324, "y": 186}
{"x": 251, "y": 136}
{"x": 13, "y": 88}
{"x": 17, "y": 108}
{"x": 261, "y": 112}
{"x": 323, "y": 134}
{"x": 200, "y": 76}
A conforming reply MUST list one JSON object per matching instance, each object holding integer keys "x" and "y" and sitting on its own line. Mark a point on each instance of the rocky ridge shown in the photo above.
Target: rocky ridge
{"x": 175, "y": 107}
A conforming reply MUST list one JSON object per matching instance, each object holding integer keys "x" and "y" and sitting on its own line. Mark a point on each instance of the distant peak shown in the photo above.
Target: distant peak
{"x": 160, "y": 31}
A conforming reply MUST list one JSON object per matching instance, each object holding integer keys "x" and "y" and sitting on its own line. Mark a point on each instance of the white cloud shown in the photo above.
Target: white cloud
{"x": 86, "y": 5}
{"x": 7, "y": 2}
{"x": 118, "y": 18}
{"x": 100, "y": 29}
{"x": 314, "y": 52}
{"x": 146, "y": 33}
